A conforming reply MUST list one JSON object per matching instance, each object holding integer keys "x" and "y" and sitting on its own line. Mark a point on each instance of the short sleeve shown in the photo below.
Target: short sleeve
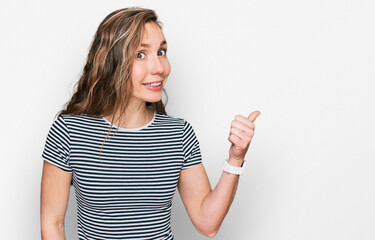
{"x": 190, "y": 146}
{"x": 57, "y": 147}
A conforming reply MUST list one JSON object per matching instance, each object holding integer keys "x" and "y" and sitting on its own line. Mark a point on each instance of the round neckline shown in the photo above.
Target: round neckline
{"x": 130, "y": 129}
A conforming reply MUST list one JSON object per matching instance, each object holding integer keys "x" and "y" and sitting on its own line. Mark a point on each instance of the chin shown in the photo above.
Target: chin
{"x": 154, "y": 99}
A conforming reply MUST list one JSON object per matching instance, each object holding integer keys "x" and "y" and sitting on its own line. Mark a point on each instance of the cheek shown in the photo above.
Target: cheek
{"x": 167, "y": 67}
{"x": 138, "y": 74}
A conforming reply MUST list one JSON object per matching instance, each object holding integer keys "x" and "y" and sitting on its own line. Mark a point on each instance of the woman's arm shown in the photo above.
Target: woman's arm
{"x": 53, "y": 201}
{"x": 207, "y": 208}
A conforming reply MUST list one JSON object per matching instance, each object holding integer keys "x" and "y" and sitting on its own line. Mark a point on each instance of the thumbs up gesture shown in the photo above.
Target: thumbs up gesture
{"x": 241, "y": 133}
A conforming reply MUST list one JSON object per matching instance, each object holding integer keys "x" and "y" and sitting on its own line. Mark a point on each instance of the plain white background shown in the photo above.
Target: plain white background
{"x": 308, "y": 66}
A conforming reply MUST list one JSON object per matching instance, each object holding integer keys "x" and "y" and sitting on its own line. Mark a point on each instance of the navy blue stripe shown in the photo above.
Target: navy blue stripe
{"x": 124, "y": 188}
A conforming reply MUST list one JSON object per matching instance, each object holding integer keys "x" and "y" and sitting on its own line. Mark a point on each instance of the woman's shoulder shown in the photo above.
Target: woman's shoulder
{"x": 167, "y": 118}
{"x": 82, "y": 117}
{"x": 79, "y": 120}
{"x": 171, "y": 120}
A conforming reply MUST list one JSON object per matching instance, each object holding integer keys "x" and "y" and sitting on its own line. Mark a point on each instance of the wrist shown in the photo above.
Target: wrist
{"x": 235, "y": 162}
{"x": 234, "y": 169}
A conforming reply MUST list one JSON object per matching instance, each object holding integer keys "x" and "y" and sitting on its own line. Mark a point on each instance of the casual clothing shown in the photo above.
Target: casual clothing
{"x": 124, "y": 187}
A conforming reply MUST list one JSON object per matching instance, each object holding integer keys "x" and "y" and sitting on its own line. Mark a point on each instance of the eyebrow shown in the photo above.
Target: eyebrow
{"x": 148, "y": 45}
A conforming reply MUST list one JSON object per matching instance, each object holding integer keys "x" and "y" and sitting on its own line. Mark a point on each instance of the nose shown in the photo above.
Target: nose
{"x": 157, "y": 66}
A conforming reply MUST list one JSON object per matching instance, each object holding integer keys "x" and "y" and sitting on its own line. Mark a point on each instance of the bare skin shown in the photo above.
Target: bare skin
{"x": 54, "y": 200}
{"x": 206, "y": 207}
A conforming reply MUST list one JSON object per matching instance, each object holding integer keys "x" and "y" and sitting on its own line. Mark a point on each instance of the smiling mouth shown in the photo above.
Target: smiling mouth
{"x": 154, "y": 84}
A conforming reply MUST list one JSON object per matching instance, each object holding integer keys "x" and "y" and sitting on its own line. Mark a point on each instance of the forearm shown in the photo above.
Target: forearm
{"x": 216, "y": 204}
{"x": 53, "y": 231}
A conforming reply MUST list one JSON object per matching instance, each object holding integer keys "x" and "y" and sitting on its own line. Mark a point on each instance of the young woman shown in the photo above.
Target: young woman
{"x": 121, "y": 151}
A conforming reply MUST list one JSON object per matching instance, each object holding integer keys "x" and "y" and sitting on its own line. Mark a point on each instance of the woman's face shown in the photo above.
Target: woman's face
{"x": 151, "y": 66}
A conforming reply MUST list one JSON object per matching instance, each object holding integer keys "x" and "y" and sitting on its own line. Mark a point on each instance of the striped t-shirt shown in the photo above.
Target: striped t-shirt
{"x": 123, "y": 190}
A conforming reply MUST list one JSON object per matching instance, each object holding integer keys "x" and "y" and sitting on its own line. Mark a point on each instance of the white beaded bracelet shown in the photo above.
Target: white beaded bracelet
{"x": 232, "y": 169}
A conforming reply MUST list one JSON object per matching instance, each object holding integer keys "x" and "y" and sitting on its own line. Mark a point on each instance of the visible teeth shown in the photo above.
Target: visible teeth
{"x": 153, "y": 84}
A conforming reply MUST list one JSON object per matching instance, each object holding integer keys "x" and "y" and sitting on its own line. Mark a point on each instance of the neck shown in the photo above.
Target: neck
{"x": 136, "y": 115}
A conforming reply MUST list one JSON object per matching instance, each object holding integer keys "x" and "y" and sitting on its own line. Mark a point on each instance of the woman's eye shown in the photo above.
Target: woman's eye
{"x": 141, "y": 55}
{"x": 162, "y": 52}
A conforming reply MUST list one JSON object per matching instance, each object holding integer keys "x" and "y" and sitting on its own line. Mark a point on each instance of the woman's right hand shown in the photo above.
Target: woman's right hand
{"x": 241, "y": 134}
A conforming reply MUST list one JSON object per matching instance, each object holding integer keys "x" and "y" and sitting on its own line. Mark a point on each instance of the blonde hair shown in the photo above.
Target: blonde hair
{"x": 105, "y": 83}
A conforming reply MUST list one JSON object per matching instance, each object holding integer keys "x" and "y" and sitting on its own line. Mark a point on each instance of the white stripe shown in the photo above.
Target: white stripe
{"x": 127, "y": 191}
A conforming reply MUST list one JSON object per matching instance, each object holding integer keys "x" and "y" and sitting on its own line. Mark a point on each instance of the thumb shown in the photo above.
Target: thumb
{"x": 253, "y": 116}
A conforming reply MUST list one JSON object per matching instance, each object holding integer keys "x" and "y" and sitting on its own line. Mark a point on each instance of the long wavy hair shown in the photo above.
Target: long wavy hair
{"x": 105, "y": 83}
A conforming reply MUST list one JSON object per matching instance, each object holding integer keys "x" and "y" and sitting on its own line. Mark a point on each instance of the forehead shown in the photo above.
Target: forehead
{"x": 152, "y": 34}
